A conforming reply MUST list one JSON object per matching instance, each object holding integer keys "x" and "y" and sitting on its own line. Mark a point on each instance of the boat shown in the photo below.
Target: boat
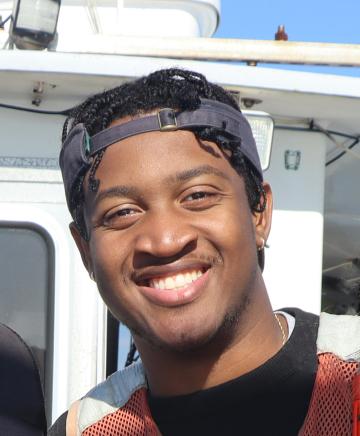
{"x": 312, "y": 259}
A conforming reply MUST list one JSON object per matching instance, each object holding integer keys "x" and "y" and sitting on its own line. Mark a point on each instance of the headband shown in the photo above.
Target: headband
{"x": 79, "y": 148}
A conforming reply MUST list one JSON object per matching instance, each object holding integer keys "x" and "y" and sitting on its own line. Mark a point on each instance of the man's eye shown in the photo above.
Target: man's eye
{"x": 124, "y": 212}
{"x": 200, "y": 195}
{"x": 120, "y": 217}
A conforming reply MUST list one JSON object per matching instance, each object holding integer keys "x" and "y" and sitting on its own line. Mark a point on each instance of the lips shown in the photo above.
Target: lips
{"x": 174, "y": 288}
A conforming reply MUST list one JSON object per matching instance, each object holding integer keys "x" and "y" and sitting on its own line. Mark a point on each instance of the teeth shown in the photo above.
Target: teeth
{"x": 180, "y": 280}
{"x": 176, "y": 281}
{"x": 169, "y": 283}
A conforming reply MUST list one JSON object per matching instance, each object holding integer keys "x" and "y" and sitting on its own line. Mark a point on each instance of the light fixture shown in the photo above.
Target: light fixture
{"x": 262, "y": 126}
{"x": 34, "y": 25}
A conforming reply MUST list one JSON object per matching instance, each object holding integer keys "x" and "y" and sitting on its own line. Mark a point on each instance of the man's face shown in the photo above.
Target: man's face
{"x": 172, "y": 239}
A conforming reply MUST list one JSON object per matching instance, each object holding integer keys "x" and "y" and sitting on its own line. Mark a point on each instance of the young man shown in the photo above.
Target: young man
{"x": 171, "y": 216}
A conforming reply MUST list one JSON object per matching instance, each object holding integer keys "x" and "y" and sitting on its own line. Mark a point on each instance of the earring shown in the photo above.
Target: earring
{"x": 92, "y": 276}
{"x": 263, "y": 244}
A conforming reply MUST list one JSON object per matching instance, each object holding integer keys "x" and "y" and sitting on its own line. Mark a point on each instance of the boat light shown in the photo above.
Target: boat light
{"x": 34, "y": 26}
{"x": 262, "y": 126}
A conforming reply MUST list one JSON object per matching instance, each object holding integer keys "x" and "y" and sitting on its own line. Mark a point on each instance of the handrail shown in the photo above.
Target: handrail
{"x": 217, "y": 49}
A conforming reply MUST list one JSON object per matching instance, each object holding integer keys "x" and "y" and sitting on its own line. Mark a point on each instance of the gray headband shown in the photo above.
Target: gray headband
{"x": 79, "y": 148}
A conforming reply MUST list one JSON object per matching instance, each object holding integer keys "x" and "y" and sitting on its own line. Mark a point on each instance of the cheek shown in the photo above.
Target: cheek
{"x": 232, "y": 231}
{"x": 236, "y": 245}
{"x": 109, "y": 258}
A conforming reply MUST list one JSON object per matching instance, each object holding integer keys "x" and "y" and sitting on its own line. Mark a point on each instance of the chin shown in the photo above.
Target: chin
{"x": 187, "y": 342}
{"x": 195, "y": 337}
{"x": 184, "y": 333}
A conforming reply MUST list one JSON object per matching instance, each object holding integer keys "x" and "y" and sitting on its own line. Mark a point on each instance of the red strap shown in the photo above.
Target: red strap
{"x": 356, "y": 405}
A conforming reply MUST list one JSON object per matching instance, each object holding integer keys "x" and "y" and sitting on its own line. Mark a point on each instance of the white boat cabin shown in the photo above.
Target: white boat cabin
{"x": 313, "y": 259}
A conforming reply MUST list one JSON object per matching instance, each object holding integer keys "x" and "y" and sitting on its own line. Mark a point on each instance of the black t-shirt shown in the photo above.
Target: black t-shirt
{"x": 271, "y": 400}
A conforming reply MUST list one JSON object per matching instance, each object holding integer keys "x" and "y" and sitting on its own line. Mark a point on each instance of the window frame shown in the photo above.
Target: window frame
{"x": 57, "y": 341}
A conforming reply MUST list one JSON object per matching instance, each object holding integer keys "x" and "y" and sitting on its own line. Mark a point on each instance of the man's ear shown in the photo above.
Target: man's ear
{"x": 83, "y": 247}
{"x": 262, "y": 220}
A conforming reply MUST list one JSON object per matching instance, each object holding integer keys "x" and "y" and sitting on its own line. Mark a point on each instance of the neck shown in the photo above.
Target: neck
{"x": 256, "y": 339}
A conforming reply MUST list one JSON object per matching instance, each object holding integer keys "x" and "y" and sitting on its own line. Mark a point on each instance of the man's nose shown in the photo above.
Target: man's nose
{"x": 165, "y": 235}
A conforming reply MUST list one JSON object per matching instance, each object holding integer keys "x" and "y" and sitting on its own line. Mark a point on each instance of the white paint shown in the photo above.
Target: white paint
{"x": 227, "y": 74}
{"x": 135, "y": 18}
{"x": 79, "y": 20}
{"x": 293, "y": 263}
{"x": 29, "y": 135}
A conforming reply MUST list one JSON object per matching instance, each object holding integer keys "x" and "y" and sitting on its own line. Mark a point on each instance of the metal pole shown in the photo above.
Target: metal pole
{"x": 233, "y": 50}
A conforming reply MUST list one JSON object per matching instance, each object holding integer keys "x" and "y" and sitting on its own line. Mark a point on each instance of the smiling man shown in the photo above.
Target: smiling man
{"x": 171, "y": 216}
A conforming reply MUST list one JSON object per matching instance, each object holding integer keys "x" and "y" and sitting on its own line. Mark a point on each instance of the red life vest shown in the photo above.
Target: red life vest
{"x": 118, "y": 407}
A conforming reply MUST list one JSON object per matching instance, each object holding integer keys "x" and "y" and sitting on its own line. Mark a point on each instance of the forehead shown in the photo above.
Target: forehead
{"x": 150, "y": 158}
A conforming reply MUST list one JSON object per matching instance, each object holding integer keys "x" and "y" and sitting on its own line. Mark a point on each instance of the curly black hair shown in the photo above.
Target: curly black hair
{"x": 174, "y": 88}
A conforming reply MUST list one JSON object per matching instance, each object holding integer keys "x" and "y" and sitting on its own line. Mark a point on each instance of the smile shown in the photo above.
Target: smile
{"x": 175, "y": 288}
{"x": 175, "y": 281}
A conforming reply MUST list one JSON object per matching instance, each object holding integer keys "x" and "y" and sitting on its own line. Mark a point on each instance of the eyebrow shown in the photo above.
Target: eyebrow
{"x": 183, "y": 176}
{"x": 117, "y": 191}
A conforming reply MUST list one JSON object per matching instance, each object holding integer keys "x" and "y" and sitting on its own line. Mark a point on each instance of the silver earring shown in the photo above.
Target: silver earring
{"x": 263, "y": 244}
{"x": 92, "y": 276}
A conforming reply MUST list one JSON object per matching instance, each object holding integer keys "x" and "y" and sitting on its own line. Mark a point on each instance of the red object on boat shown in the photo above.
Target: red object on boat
{"x": 356, "y": 405}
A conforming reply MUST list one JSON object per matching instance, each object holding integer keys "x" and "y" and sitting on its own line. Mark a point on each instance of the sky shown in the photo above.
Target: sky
{"x": 305, "y": 20}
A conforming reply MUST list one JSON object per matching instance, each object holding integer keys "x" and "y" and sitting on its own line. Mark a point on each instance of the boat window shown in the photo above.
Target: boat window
{"x": 26, "y": 289}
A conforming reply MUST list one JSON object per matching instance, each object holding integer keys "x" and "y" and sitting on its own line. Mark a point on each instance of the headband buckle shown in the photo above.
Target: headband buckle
{"x": 167, "y": 119}
{"x": 86, "y": 144}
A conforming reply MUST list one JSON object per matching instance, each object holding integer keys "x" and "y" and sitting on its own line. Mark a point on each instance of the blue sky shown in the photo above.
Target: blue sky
{"x": 304, "y": 20}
